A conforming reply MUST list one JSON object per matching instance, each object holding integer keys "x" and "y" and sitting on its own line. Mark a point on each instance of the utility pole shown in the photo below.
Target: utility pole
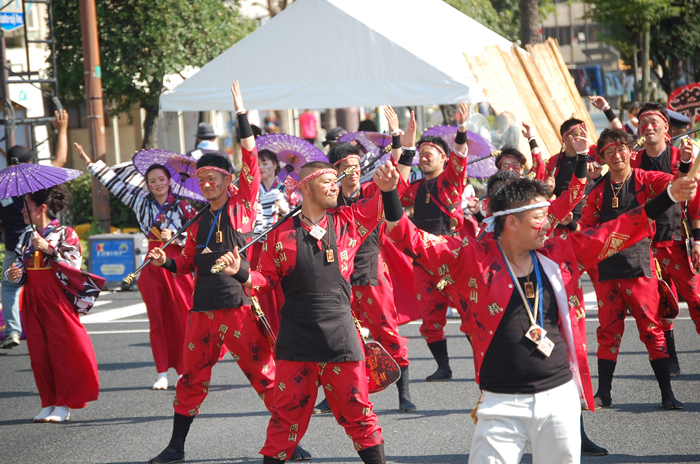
{"x": 95, "y": 107}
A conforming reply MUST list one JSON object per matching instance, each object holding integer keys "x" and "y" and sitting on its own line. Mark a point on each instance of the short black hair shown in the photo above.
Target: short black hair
{"x": 317, "y": 165}
{"x": 510, "y": 151}
{"x": 634, "y": 106}
{"x": 342, "y": 150}
{"x": 516, "y": 193}
{"x": 498, "y": 179}
{"x": 22, "y": 153}
{"x": 154, "y": 167}
{"x": 215, "y": 159}
{"x": 435, "y": 140}
{"x": 652, "y": 106}
{"x": 613, "y": 135}
{"x": 568, "y": 124}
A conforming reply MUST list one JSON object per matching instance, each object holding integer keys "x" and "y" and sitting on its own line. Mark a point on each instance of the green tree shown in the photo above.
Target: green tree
{"x": 141, "y": 41}
{"x": 481, "y": 11}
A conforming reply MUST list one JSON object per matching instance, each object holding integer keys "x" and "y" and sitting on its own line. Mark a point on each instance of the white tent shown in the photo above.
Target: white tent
{"x": 345, "y": 53}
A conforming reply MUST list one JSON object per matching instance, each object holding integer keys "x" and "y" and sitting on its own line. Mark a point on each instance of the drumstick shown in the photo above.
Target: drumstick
{"x": 694, "y": 169}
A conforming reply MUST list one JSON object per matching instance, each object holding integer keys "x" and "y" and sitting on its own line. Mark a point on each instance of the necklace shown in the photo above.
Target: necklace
{"x": 529, "y": 286}
{"x": 219, "y": 237}
{"x": 319, "y": 233}
{"x": 616, "y": 190}
{"x": 430, "y": 188}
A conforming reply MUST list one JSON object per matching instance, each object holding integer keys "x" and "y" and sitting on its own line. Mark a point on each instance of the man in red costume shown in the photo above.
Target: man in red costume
{"x": 221, "y": 313}
{"x": 436, "y": 201}
{"x": 312, "y": 257}
{"x": 627, "y": 281}
{"x": 523, "y": 312}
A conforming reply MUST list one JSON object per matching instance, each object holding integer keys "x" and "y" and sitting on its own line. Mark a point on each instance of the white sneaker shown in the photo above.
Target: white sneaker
{"x": 162, "y": 382}
{"x": 60, "y": 414}
{"x": 45, "y": 412}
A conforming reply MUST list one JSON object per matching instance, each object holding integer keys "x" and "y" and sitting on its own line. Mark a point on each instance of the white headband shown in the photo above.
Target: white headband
{"x": 490, "y": 221}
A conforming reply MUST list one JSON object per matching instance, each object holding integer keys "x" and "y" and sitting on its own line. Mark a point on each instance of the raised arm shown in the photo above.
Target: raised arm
{"x": 247, "y": 137}
{"x": 399, "y": 140}
{"x": 602, "y": 104}
{"x": 538, "y": 166}
{"x": 61, "y": 125}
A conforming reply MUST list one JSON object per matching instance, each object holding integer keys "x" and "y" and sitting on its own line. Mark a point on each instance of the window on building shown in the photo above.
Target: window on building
{"x": 564, "y": 35}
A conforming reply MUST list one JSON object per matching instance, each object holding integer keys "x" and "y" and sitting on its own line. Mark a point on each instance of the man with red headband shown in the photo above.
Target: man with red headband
{"x": 312, "y": 257}
{"x": 221, "y": 312}
{"x": 524, "y": 314}
{"x": 627, "y": 281}
{"x": 436, "y": 200}
{"x": 668, "y": 244}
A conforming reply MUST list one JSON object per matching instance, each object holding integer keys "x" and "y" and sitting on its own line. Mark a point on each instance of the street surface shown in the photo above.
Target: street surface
{"x": 130, "y": 423}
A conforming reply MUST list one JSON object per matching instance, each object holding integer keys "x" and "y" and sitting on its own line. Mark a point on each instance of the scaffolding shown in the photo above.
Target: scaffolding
{"x": 48, "y": 85}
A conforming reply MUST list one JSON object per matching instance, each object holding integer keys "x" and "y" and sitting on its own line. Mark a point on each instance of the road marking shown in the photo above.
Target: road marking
{"x": 113, "y": 314}
{"x": 120, "y": 321}
{"x": 104, "y": 332}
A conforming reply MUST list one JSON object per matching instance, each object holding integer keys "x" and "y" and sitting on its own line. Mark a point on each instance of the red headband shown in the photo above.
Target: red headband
{"x": 231, "y": 188}
{"x": 291, "y": 184}
{"x": 563, "y": 137}
{"x": 611, "y": 144}
{"x": 431, "y": 144}
{"x": 349, "y": 158}
{"x": 655, "y": 113}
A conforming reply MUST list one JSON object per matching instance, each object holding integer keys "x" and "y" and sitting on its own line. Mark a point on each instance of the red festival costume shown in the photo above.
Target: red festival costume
{"x": 318, "y": 343}
{"x": 61, "y": 353}
{"x": 636, "y": 290}
{"x": 476, "y": 275}
{"x": 168, "y": 298}
{"x": 221, "y": 313}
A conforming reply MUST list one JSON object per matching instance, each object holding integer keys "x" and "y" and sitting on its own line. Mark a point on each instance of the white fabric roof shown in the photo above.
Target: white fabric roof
{"x": 345, "y": 53}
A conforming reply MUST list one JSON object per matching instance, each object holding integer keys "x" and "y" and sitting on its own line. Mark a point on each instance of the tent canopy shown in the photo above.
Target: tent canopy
{"x": 345, "y": 53}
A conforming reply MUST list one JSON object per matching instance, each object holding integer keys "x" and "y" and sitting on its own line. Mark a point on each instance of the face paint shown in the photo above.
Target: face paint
{"x": 219, "y": 187}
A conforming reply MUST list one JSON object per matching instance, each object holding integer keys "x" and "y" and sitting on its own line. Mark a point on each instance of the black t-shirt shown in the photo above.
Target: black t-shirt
{"x": 513, "y": 364}
{"x": 12, "y": 222}
{"x": 668, "y": 225}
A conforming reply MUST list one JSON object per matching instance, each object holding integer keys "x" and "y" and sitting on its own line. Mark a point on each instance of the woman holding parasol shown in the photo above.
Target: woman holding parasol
{"x": 48, "y": 263}
{"x": 168, "y": 298}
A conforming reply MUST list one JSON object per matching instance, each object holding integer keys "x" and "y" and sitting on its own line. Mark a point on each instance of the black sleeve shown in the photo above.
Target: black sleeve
{"x": 658, "y": 206}
{"x": 170, "y": 265}
{"x": 685, "y": 167}
{"x": 392, "y": 205}
{"x": 461, "y": 138}
{"x": 244, "y": 128}
{"x": 581, "y": 169}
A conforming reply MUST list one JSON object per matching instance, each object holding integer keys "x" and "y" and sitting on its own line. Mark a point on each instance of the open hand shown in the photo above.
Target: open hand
{"x": 686, "y": 150}
{"x": 463, "y": 115}
{"x": 81, "y": 153}
{"x": 408, "y": 138}
{"x": 598, "y": 101}
{"x": 527, "y": 130}
{"x": 237, "y": 97}
{"x": 61, "y": 121}
{"x": 392, "y": 118}
{"x": 580, "y": 143}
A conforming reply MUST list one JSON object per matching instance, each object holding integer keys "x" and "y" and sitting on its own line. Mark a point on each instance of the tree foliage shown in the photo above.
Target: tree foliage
{"x": 141, "y": 41}
{"x": 79, "y": 209}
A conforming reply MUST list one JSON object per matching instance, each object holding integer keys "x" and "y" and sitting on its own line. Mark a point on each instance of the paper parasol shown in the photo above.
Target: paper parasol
{"x": 292, "y": 152}
{"x": 183, "y": 180}
{"x": 477, "y": 146}
{"x": 20, "y": 179}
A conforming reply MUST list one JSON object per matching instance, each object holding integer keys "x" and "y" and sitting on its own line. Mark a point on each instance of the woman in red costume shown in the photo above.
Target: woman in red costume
{"x": 60, "y": 350}
{"x": 167, "y": 298}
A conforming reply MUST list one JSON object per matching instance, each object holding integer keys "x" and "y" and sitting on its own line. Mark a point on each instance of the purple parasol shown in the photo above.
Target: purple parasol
{"x": 20, "y": 179}
{"x": 477, "y": 145}
{"x": 371, "y": 143}
{"x": 183, "y": 180}
{"x": 292, "y": 152}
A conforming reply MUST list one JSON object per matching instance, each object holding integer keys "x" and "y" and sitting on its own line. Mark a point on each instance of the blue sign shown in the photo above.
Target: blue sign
{"x": 11, "y": 21}
{"x": 112, "y": 259}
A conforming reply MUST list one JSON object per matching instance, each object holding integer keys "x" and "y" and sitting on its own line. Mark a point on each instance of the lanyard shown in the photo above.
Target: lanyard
{"x": 533, "y": 313}
{"x": 658, "y": 158}
{"x": 211, "y": 230}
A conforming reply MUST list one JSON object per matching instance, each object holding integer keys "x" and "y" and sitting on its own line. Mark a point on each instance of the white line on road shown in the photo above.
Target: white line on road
{"x": 112, "y": 314}
{"x": 104, "y": 332}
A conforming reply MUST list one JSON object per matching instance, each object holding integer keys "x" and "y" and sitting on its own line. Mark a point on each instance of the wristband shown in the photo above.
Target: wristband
{"x": 244, "y": 128}
{"x": 573, "y": 225}
{"x": 170, "y": 265}
{"x": 581, "y": 168}
{"x": 242, "y": 275}
{"x": 658, "y": 205}
{"x": 406, "y": 158}
{"x": 463, "y": 125}
{"x": 610, "y": 114}
{"x": 685, "y": 166}
{"x": 670, "y": 195}
{"x": 696, "y": 235}
{"x": 396, "y": 132}
{"x": 395, "y": 141}
{"x": 533, "y": 143}
{"x": 461, "y": 138}
{"x": 392, "y": 205}
{"x": 241, "y": 111}
{"x": 581, "y": 153}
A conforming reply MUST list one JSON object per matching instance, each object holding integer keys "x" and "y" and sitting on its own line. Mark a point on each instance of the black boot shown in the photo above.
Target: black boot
{"x": 606, "y": 369}
{"x": 663, "y": 376}
{"x": 443, "y": 372}
{"x": 322, "y": 407}
{"x": 588, "y": 447}
{"x": 373, "y": 455}
{"x": 672, "y": 354}
{"x": 175, "y": 452}
{"x": 269, "y": 460}
{"x": 405, "y": 404}
{"x": 300, "y": 454}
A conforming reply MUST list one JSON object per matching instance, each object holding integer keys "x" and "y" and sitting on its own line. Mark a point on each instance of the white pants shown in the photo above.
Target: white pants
{"x": 550, "y": 421}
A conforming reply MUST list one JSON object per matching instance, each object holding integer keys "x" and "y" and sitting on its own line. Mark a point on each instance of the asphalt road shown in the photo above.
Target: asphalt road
{"x": 131, "y": 423}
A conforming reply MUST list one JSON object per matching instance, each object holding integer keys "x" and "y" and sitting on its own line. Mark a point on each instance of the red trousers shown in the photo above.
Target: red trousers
{"x": 270, "y": 302}
{"x": 641, "y": 297}
{"x": 168, "y": 299}
{"x": 60, "y": 351}
{"x": 296, "y": 387}
{"x": 375, "y": 306}
{"x": 235, "y": 328}
{"x": 675, "y": 270}
{"x": 433, "y": 304}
